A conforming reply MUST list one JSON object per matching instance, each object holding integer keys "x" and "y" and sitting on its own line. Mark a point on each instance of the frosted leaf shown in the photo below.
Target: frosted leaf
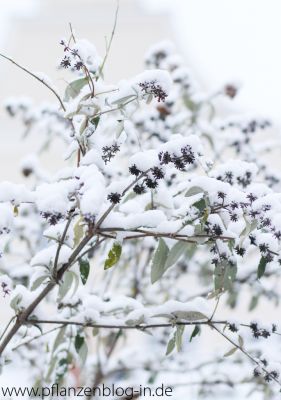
{"x": 46, "y": 257}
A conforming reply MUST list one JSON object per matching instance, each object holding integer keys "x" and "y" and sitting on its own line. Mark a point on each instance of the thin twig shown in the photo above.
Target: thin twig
{"x": 61, "y": 242}
{"x": 7, "y": 326}
{"x": 36, "y": 77}
{"x": 36, "y": 337}
{"x": 110, "y": 41}
{"x": 24, "y": 315}
{"x": 141, "y": 327}
{"x": 240, "y": 348}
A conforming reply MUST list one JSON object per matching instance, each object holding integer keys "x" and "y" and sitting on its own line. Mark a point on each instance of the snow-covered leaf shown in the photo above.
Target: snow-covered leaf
{"x": 73, "y": 89}
{"x": 179, "y": 335}
{"x": 113, "y": 256}
{"x": 84, "y": 267}
{"x": 196, "y": 331}
{"x": 78, "y": 232}
{"x": 171, "y": 345}
{"x": 175, "y": 253}
{"x": 231, "y": 351}
{"x": 261, "y": 267}
{"x": 159, "y": 260}
{"x": 38, "y": 282}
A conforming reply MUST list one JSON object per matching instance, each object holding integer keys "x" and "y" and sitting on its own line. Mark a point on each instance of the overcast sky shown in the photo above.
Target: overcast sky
{"x": 233, "y": 40}
{"x": 222, "y": 39}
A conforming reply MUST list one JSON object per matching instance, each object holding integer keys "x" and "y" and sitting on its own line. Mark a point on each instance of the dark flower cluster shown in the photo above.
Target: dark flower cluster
{"x": 6, "y": 291}
{"x": 271, "y": 180}
{"x": 114, "y": 198}
{"x": 134, "y": 170}
{"x": 250, "y": 126}
{"x": 4, "y": 230}
{"x": 89, "y": 218}
{"x": 258, "y": 214}
{"x": 153, "y": 88}
{"x": 266, "y": 253}
{"x": 52, "y": 218}
{"x": 150, "y": 178}
{"x": 139, "y": 189}
{"x": 180, "y": 162}
{"x": 220, "y": 258}
{"x": 247, "y": 129}
{"x": 66, "y": 62}
{"x": 240, "y": 250}
{"x": 233, "y": 328}
{"x": 268, "y": 376}
{"x": 243, "y": 180}
{"x": 261, "y": 332}
{"x": 156, "y": 58}
{"x": 72, "y": 54}
{"x": 213, "y": 229}
{"x": 14, "y": 109}
{"x": 27, "y": 171}
{"x": 230, "y": 90}
{"x": 109, "y": 152}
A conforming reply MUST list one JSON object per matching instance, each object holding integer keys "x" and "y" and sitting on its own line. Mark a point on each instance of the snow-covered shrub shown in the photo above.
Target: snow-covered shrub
{"x": 165, "y": 206}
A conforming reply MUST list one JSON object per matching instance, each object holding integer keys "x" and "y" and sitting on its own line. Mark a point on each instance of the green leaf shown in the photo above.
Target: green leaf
{"x": 38, "y": 282}
{"x": 178, "y": 336}
{"x": 159, "y": 261}
{"x": 84, "y": 267}
{"x": 198, "y": 229}
{"x": 39, "y": 327}
{"x": 79, "y": 341}
{"x": 81, "y": 348}
{"x": 149, "y": 99}
{"x": 83, "y": 125}
{"x": 171, "y": 345}
{"x": 231, "y": 351}
{"x": 66, "y": 284}
{"x": 95, "y": 331}
{"x": 190, "y": 249}
{"x": 176, "y": 340}
{"x": 123, "y": 100}
{"x": 51, "y": 368}
{"x": 196, "y": 331}
{"x": 261, "y": 267}
{"x": 224, "y": 276}
{"x": 78, "y": 232}
{"x": 232, "y": 298}
{"x": 190, "y": 315}
{"x": 73, "y": 89}
{"x": 250, "y": 226}
{"x": 200, "y": 205}
{"x": 113, "y": 256}
{"x": 193, "y": 191}
{"x": 59, "y": 338}
{"x": 83, "y": 353}
{"x": 240, "y": 341}
{"x": 174, "y": 254}
{"x": 14, "y": 304}
{"x": 95, "y": 121}
{"x": 62, "y": 368}
{"x": 191, "y": 105}
{"x": 253, "y": 303}
{"x": 136, "y": 321}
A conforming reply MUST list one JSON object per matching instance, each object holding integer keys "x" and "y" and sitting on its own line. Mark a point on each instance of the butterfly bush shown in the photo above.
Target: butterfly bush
{"x": 165, "y": 206}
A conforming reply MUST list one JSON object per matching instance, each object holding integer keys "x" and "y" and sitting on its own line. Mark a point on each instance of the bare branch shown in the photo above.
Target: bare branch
{"x": 36, "y": 77}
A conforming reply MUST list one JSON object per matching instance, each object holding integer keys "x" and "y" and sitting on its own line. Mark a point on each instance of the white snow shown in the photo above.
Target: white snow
{"x": 46, "y": 257}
